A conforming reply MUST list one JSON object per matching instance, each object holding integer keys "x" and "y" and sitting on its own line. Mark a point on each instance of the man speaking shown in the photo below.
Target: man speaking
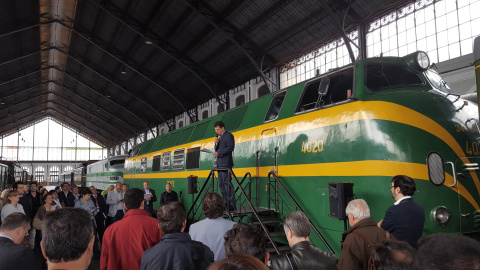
{"x": 224, "y": 146}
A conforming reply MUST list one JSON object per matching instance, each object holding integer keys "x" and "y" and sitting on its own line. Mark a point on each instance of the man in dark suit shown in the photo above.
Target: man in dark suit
{"x": 150, "y": 198}
{"x": 64, "y": 193}
{"x": 406, "y": 218}
{"x": 99, "y": 202}
{"x": 168, "y": 196}
{"x": 14, "y": 256}
{"x": 73, "y": 197}
{"x": 224, "y": 146}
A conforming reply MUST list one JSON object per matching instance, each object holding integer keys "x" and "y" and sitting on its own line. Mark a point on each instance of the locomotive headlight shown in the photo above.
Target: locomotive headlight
{"x": 418, "y": 60}
{"x": 422, "y": 60}
{"x": 441, "y": 215}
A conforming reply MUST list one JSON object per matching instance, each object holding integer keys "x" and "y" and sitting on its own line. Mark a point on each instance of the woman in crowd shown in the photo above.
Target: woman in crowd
{"x": 43, "y": 210}
{"x": 56, "y": 201}
{"x": 86, "y": 204}
{"x": 11, "y": 204}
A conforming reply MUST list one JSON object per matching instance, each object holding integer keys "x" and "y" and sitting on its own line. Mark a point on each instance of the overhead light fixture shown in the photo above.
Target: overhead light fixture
{"x": 2, "y": 102}
{"x": 98, "y": 108}
{"x": 124, "y": 71}
{"x": 148, "y": 41}
{"x": 107, "y": 94}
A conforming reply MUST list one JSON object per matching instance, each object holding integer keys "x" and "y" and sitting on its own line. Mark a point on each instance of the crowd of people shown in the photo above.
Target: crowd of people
{"x": 124, "y": 231}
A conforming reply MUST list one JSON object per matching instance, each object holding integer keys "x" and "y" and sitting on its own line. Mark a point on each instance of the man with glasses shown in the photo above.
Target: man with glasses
{"x": 14, "y": 256}
{"x": 406, "y": 218}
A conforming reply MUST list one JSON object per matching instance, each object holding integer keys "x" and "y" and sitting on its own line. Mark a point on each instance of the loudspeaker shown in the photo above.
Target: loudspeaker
{"x": 192, "y": 184}
{"x": 340, "y": 194}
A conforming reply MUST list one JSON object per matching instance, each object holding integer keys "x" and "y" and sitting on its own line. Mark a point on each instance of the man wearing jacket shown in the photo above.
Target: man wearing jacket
{"x": 356, "y": 240}
{"x": 176, "y": 250}
{"x": 406, "y": 218}
{"x": 224, "y": 146}
{"x": 14, "y": 256}
{"x": 306, "y": 256}
{"x": 125, "y": 241}
{"x": 150, "y": 197}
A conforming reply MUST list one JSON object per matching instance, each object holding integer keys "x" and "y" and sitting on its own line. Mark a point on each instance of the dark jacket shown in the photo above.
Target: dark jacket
{"x": 355, "y": 252}
{"x": 149, "y": 207}
{"x": 71, "y": 199}
{"x": 101, "y": 204}
{"x": 306, "y": 256}
{"x": 175, "y": 252}
{"x": 405, "y": 221}
{"x": 225, "y": 147}
{"x": 16, "y": 257}
{"x": 36, "y": 202}
{"x": 168, "y": 197}
{"x": 62, "y": 198}
{"x": 27, "y": 203}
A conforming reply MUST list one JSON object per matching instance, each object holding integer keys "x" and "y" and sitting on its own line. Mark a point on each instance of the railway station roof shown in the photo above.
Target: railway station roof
{"x": 115, "y": 68}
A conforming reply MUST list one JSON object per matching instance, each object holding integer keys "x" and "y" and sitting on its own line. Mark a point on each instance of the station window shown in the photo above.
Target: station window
{"x": 193, "y": 158}
{"x": 240, "y": 100}
{"x": 178, "y": 159}
{"x": 166, "y": 161}
{"x": 275, "y": 106}
{"x": 156, "y": 163}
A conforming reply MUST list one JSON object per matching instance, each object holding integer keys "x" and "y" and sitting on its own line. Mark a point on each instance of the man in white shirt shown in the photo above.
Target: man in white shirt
{"x": 150, "y": 198}
{"x": 212, "y": 229}
{"x": 116, "y": 210}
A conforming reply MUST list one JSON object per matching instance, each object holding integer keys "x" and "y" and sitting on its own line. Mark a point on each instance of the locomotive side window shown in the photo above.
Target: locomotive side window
{"x": 117, "y": 162}
{"x": 338, "y": 87}
{"x": 143, "y": 165}
{"x": 334, "y": 90}
{"x": 178, "y": 159}
{"x": 166, "y": 162}
{"x": 275, "y": 106}
{"x": 156, "y": 163}
{"x": 309, "y": 97}
{"x": 193, "y": 158}
{"x": 385, "y": 76}
{"x": 437, "y": 81}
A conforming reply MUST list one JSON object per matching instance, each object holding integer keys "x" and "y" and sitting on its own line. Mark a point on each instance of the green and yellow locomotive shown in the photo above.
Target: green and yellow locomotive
{"x": 363, "y": 123}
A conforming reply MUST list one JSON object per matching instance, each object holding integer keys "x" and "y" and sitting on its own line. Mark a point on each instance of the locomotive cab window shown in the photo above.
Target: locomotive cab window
{"x": 193, "y": 158}
{"x": 117, "y": 162}
{"x": 275, "y": 106}
{"x": 166, "y": 161}
{"x": 178, "y": 159}
{"x": 386, "y": 76}
{"x": 328, "y": 90}
{"x": 156, "y": 163}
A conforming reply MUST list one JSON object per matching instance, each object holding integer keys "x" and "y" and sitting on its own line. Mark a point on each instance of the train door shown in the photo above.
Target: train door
{"x": 268, "y": 150}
